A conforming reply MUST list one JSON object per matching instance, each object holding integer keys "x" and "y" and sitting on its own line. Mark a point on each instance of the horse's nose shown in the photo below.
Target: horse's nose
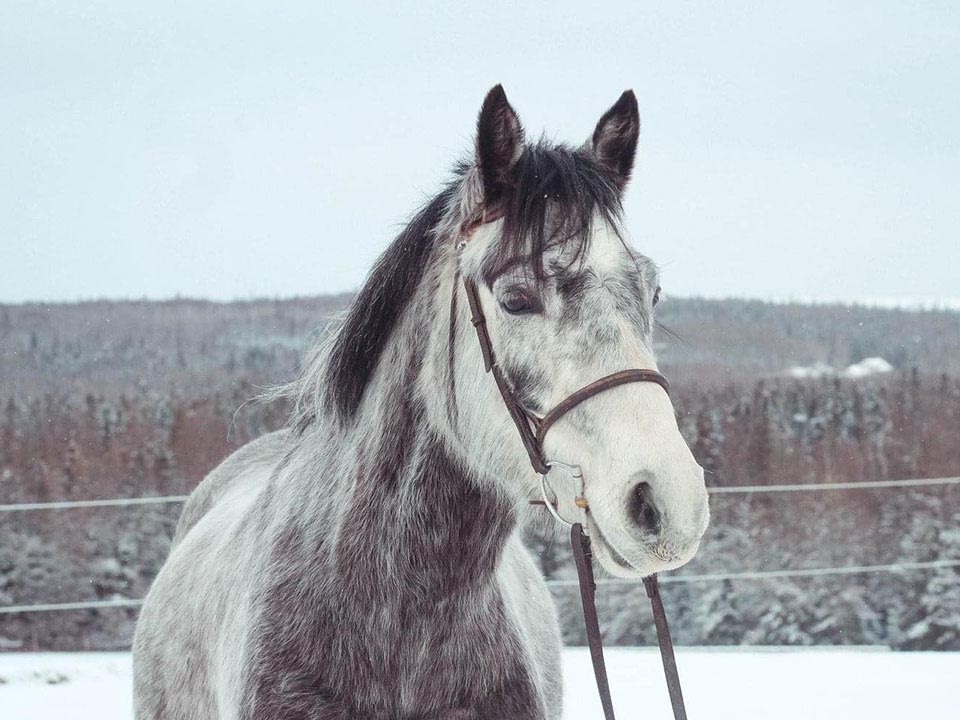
{"x": 642, "y": 511}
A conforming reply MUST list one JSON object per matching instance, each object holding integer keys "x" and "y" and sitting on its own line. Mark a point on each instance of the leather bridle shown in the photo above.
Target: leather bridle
{"x": 533, "y": 430}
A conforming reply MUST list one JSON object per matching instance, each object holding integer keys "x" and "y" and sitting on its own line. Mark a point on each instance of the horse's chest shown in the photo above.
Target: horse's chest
{"x": 460, "y": 660}
{"x": 451, "y": 661}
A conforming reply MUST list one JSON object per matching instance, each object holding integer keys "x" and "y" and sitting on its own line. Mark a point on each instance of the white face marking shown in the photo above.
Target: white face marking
{"x": 626, "y": 439}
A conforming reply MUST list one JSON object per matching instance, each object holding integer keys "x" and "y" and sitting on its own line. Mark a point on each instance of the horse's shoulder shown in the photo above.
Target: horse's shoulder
{"x": 265, "y": 451}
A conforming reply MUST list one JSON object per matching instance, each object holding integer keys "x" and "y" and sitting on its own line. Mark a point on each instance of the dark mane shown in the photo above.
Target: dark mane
{"x": 552, "y": 196}
{"x": 377, "y": 307}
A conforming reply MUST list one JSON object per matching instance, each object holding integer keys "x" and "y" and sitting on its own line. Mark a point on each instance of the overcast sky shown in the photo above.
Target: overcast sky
{"x": 788, "y": 150}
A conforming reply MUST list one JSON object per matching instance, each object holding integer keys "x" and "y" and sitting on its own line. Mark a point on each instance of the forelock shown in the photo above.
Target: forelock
{"x": 556, "y": 194}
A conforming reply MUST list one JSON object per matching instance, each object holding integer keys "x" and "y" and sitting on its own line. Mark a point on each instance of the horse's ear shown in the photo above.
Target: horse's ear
{"x": 614, "y": 141}
{"x": 499, "y": 144}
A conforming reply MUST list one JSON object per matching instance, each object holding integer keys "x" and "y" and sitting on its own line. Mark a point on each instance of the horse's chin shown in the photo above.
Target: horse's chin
{"x": 638, "y": 561}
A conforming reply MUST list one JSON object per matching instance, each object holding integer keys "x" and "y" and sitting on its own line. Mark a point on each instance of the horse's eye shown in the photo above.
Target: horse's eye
{"x": 656, "y": 296}
{"x": 520, "y": 304}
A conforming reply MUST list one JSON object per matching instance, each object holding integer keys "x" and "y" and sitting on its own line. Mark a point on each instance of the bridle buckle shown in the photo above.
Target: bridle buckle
{"x": 576, "y": 474}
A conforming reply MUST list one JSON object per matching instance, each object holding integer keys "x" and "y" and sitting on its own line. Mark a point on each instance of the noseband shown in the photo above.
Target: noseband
{"x": 533, "y": 430}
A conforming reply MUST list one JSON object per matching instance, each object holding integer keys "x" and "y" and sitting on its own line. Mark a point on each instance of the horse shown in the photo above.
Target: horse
{"x": 366, "y": 562}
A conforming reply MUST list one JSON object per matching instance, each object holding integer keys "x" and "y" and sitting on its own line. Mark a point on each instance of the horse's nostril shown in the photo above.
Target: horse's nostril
{"x": 642, "y": 510}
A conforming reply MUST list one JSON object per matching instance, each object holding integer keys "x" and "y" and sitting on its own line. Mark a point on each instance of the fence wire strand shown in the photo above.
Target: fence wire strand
{"x": 109, "y": 502}
{"x": 815, "y": 487}
{"x": 664, "y": 579}
{"x": 88, "y": 605}
{"x": 770, "y": 574}
{"x": 717, "y": 490}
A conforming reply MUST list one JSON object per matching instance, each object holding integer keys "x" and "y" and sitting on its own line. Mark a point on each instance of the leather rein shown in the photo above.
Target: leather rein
{"x": 533, "y": 430}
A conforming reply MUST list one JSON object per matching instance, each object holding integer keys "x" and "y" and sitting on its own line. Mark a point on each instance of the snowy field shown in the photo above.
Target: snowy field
{"x": 718, "y": 684}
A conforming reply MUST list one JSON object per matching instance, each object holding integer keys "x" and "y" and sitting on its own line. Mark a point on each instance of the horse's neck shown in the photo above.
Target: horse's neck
{"x": 417, "y": 521}
{"x": 423, "y": 527}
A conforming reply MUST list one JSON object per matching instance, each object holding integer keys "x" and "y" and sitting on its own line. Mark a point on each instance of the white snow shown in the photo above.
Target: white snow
{"x": 818, "y": 369}
{"x": 868, "y": 366}
{"x": 864, "y": 368}
{"x": 719, "y": 684}
{"x": 78, "y": 686}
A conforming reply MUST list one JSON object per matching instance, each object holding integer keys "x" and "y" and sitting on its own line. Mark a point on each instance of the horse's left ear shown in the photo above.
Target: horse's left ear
{"x": 614, "y": 141}
{"x": 499, "y": 144}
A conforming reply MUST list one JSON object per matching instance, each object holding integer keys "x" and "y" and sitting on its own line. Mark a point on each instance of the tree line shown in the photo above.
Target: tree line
{"x": 149, "y": 403}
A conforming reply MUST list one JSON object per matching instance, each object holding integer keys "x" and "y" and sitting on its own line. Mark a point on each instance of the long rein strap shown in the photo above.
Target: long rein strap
{"x": 583, "y": 558}
{"x": 666, "y": 648}
{"x": 579, "y": 541}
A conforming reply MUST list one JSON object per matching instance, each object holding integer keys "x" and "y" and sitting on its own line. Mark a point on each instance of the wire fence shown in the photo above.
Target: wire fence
{"x": 772, "y": 574}
{"x": 664, "y": 579}
{"x": 87, "y": 605}
{"x": 110, "y": 502}
{"x": 718, "y": 490}
{"x": 818, "y": 487}
{"x": 757, "y": 575}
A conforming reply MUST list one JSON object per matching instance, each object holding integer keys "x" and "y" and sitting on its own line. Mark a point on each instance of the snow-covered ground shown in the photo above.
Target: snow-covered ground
{"x": 737, "y": 684}
{"x": 864, "y": 368}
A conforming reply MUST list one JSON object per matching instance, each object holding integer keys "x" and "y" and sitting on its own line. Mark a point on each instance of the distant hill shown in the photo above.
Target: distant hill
{"x": 101, "y": 346}
{"x": 742, "y": 339}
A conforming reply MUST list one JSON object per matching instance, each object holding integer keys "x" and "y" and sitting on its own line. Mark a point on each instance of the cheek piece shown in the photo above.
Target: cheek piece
{"x": 532, "y": 430}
